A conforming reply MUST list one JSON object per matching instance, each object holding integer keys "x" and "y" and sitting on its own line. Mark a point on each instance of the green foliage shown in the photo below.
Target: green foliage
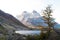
{"x": 42, "y": 36}
{"x": 47, "y": 17}
{"x": 35, "y": 37}
{"x": 3, "y": 38}
{"x": 3, "y": 30}
{"x": 1, "y": 27}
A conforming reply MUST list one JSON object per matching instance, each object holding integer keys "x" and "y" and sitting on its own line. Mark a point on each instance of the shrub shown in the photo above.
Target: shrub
{"x": 42, "y": 36}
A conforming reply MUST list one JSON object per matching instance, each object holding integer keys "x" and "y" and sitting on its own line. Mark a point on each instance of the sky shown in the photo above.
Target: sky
{"x": 16, "y": 7}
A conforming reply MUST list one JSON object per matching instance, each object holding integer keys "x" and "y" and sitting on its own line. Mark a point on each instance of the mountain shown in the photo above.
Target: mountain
{"x": 57, "y": 26}
{"x": 33, "y": 19}
{"x": 35, "y": 14}
{"x": 11, "y": 23}
{"x": 37, "y": 22}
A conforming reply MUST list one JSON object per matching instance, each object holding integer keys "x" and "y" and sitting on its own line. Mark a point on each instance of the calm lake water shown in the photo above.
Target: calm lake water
{"x": 29, "y": 32}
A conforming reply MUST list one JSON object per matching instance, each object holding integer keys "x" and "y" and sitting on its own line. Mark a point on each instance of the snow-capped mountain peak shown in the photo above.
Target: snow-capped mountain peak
{"x": 33, "y": 18}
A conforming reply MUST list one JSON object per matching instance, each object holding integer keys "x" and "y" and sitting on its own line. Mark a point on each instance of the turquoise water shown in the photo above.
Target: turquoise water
{"x": 29, "y": 32}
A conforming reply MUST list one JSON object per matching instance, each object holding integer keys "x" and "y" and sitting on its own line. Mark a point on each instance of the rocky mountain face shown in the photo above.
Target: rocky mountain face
{"x": 11, "y": 23}
{"x": 33, "y": 19}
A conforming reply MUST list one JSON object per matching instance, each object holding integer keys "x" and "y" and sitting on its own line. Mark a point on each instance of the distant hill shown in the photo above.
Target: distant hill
{"x": 11, "y": 23}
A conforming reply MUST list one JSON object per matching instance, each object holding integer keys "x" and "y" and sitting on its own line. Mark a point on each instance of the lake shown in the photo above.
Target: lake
{"x": 29, "y": 32}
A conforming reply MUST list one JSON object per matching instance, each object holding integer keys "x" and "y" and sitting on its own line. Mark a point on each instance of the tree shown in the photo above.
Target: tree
{"x": 47, "y": 17}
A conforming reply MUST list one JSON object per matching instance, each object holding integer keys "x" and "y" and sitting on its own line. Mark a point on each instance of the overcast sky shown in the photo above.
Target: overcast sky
{"x": 16, "y": 7}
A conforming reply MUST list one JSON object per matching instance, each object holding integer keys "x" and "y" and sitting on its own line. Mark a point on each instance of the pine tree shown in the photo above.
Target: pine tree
{"x": 47, "y": 17}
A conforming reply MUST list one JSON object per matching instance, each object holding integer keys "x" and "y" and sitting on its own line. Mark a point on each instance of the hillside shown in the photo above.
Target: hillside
{"x": 11, "y": 23}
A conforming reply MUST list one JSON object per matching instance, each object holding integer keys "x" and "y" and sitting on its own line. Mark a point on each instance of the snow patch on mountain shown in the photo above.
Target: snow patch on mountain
{"x": 33, "y": 18}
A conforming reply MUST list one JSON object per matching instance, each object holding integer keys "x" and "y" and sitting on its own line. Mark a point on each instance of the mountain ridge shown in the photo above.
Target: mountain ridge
{"x": 10, "y": 22}
{"x": 35, "y": 20}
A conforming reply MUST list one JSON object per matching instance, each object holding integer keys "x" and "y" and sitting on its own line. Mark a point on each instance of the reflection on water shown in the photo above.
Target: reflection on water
{"x": 29, "y": 32}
